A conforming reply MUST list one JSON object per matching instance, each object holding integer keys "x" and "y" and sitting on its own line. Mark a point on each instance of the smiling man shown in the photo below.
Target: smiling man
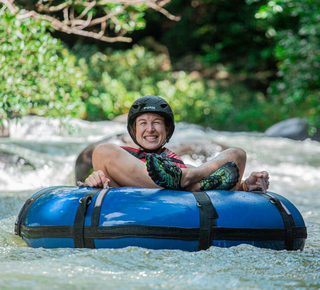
{"x": 151, "y": 165}
{"x": 151, "y": 131}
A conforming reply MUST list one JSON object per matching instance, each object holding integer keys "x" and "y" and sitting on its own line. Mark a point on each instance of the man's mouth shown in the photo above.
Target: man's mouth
{"x": 151, "y": 138}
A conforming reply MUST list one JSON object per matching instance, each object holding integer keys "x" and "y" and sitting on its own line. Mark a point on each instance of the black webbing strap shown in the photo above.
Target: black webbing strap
{"x": 140, "y": 231}
{"x": 287, "y": 218}
{"x": 112, "y": 232}
{"x": 25, "y": 209}
{"x": 208, "y": 216}
{"x": 79, "y": 219}
{"x": 248, "y": 234}
{"x": 95, "y": 217}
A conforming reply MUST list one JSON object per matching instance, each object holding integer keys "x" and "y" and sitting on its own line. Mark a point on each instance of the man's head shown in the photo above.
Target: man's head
{"x": 155, "y": 106}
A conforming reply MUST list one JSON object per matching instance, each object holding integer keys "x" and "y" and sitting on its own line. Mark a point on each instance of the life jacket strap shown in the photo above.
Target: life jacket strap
{"x": 141, "y": 154}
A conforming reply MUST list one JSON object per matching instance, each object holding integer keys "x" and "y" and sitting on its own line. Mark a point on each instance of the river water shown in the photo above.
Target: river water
{"x": 47, "y": 156}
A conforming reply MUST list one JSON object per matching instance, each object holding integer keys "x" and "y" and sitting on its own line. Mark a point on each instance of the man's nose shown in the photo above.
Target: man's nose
{"x": 150, "y": 127}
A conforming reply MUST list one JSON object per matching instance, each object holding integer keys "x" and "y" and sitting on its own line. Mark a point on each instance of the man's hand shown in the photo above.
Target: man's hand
{"x": 255, "y": 180}
{"x": 97, "y": 179}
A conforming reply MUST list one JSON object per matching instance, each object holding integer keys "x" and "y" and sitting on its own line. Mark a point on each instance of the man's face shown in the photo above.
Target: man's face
{"x": 151, "y": 131}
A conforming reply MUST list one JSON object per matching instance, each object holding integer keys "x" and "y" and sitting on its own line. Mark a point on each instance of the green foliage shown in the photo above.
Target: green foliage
{"x": 38, "y": 75}
{"x": 218, "y": 31}
{"x": 252, "y": 39}
{"x": 130, "y": 19}
{"x": 117, "y": 78}
{"x": 295, "y": 27}
{"x": 100, "y": 18}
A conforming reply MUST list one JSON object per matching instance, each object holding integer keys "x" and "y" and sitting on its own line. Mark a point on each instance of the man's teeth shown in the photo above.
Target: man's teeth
{"x": 151, "y": 137}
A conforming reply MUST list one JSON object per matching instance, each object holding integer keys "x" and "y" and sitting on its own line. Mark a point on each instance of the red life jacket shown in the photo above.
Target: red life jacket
{"x": 171, "y": 156}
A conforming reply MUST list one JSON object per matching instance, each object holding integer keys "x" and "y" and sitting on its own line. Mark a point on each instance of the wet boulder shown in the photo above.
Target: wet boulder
{"x": 11, "y": 160}
{"x": 293, "y": 128}
{"x": 83, "y": 165}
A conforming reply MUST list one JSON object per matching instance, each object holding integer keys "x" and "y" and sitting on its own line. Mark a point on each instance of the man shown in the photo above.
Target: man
{"x": 151, "y": 165}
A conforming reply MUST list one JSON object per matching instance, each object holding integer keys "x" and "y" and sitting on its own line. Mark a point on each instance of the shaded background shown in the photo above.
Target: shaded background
{"x": 236, "y": 66}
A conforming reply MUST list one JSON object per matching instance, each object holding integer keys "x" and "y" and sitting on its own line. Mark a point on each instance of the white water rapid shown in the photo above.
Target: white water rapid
{"x": 40, "y": 153}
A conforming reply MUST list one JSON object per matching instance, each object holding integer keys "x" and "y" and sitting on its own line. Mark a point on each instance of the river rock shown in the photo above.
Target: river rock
{"x": 293, "y": 128}
{"x": 121, "y": 118}
{"x": 84, "y": 161}
{"x": 9, "y": 160}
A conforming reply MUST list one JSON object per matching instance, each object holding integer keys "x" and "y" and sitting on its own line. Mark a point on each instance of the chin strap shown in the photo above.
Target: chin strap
{"x": 150, "y": 151}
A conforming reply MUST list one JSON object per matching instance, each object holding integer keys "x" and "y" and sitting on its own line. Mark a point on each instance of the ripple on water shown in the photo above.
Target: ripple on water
{"x": 294, "y": 168}
{"x": 237, "y": 267}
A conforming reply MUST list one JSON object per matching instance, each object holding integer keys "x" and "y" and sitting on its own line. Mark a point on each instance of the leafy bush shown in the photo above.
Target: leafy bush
{"x": 38, "y": 75}
{"x": 117, "y": 78}
{"x": 295, "y": 27}
{"x": 217, "y": 32}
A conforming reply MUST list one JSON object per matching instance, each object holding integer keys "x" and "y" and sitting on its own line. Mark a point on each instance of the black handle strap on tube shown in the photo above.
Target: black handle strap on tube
{"x": 287, "y": 218}
{"x": 95, "y": 217}
{"x": 78, "y": 234}
{"x": 208, "y": 216}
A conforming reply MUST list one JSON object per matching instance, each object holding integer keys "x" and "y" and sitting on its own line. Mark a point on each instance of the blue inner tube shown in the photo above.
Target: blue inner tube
{"x": 78, "y": 217}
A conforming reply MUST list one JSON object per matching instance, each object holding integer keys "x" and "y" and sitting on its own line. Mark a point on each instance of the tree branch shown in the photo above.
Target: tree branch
{"x": 79, "y": 24}
{"x": 86, "y": 10}
{"x": 60, "y": 26}
{"x": 9, "y": 4}
{"x": 156, "y": 5}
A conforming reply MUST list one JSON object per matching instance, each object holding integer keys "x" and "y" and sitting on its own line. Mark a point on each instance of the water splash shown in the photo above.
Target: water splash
{"x": 294, "y": 167}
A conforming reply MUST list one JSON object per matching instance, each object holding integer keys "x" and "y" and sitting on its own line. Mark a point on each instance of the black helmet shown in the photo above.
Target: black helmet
{"x": 150, "y": 104}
